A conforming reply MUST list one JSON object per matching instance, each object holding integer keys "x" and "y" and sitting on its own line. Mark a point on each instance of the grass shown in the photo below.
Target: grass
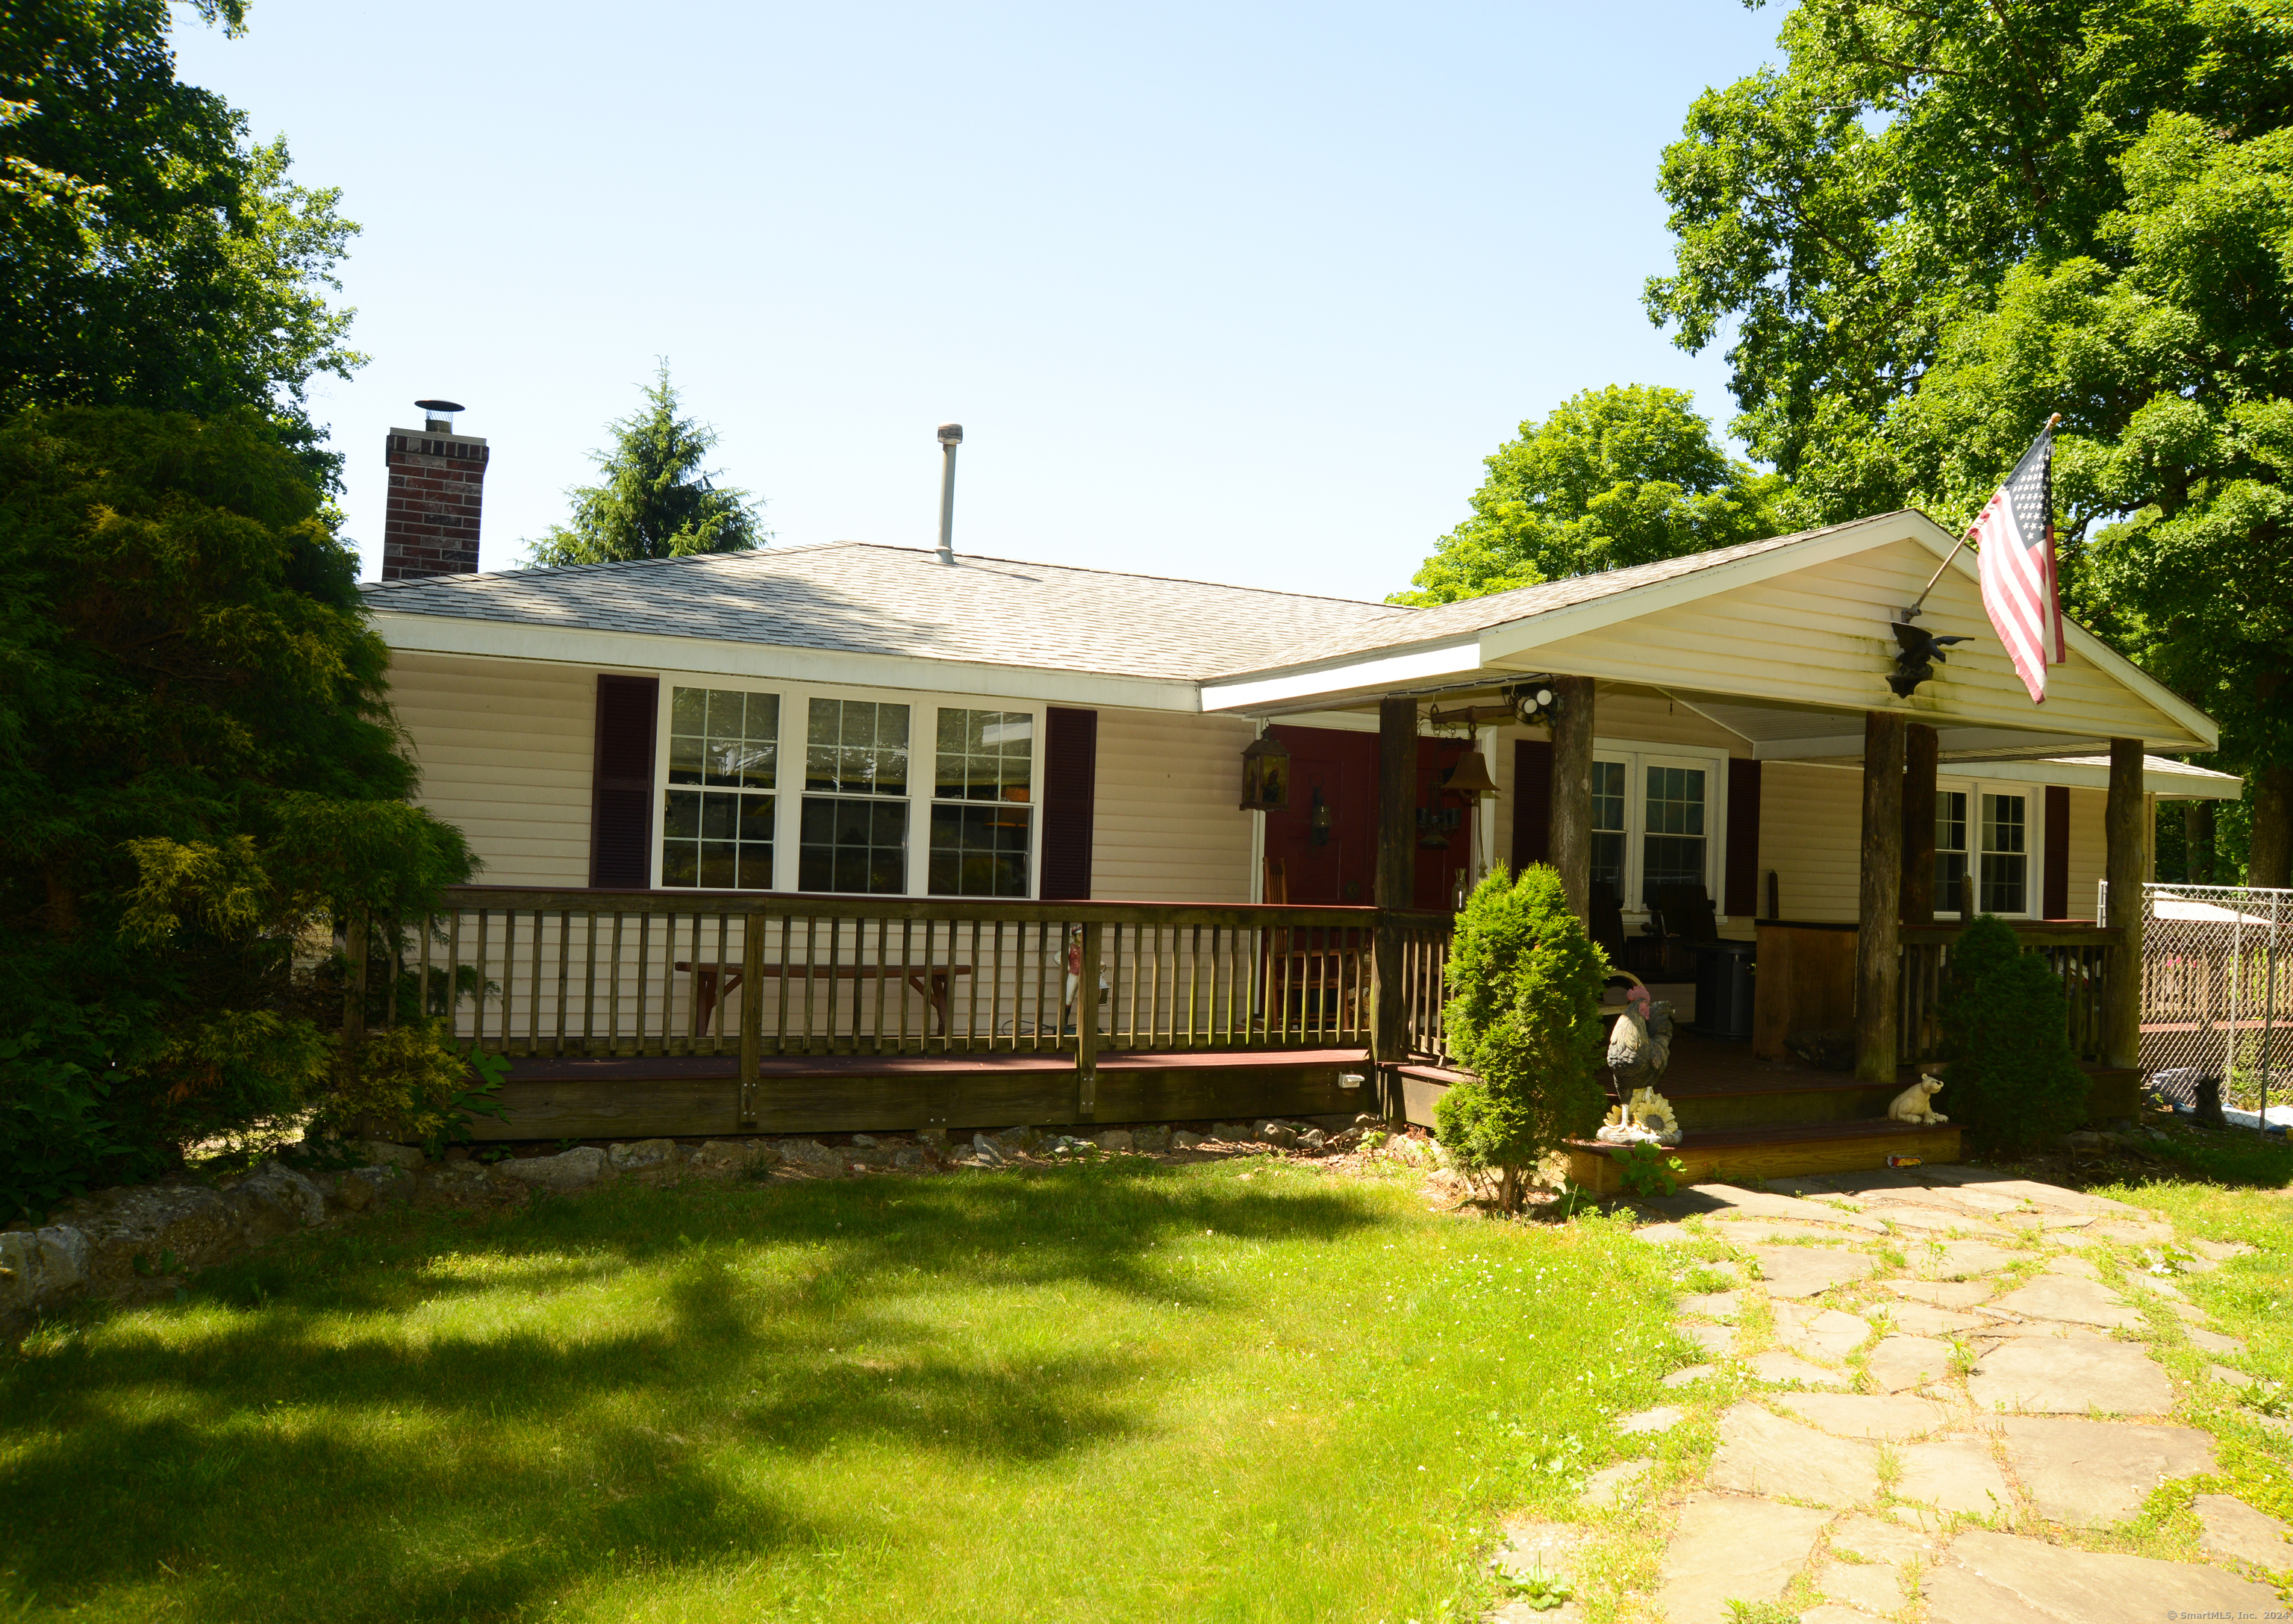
{"x": 1098, "y": 1392}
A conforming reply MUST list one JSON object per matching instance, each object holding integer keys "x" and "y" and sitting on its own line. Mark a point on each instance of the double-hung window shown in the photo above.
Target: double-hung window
{"x": 855, "y": 830}
{"x": 717, "y": 811}
{"x": 1656, "y": 820}
{"x": 1608, "y": 832}
{"x": 983, "y": 816}
{"x": 1997, "y": 864}
{"x": 1674, "y": 852}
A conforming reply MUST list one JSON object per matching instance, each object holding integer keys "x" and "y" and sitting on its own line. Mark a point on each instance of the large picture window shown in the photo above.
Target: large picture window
{"x": 853, "y": 833}
{"x": 717, "y": 810}
{"x": 982, "y": 817}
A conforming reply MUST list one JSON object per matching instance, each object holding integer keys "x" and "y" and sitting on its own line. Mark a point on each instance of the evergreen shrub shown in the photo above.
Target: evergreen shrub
{"x": 1524, "y": 1019}
{"x": 2012, "y": 1080}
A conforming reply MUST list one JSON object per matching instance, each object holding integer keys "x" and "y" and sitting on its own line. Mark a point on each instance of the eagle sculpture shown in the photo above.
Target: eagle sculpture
{"x": 1916, "y": 653}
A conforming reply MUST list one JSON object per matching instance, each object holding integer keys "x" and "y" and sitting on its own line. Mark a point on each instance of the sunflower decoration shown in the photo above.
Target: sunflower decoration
{"x": 1646, "y": 1116}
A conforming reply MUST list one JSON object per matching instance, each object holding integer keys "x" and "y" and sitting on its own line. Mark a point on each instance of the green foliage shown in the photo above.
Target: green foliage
{"x": 1541, "y": 1590}
{"x": 1645, "y": 1169}
{"x": 197, "y": 770}
{"x": 410, "y": 1083}
{"x": 1523, "y": 1018}
{"x": 1615, "y": 476}
{"x": 2011, "y": 1081}
{"x": 654, "y": 500}
{"x": 156, "y": 257}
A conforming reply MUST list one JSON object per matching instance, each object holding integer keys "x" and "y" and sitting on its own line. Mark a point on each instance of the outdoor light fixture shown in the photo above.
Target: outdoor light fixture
{"x": 1533, "y": 703}
{"x": 1266, "y": 775}
{"x": 1318, "y": 821}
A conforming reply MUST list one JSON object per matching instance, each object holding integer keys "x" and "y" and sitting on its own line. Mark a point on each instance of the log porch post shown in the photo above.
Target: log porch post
{"x": 2128, "y": 850}
{"x": 1572, "y": 790}
{"x": 1395, "y": 884}
{"x": 1921, "y": 753}
{"x": 1878, "y": 934}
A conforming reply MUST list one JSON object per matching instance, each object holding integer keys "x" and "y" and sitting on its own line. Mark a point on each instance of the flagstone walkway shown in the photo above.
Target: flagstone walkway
{"x": 1922, "y": 1385}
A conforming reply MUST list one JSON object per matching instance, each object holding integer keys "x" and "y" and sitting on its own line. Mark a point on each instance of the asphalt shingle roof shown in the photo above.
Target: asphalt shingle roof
{"x": 861, "y": 598}
{"x": 865, "y": 599}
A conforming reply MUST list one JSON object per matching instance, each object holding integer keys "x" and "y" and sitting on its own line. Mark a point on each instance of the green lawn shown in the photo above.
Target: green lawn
{"x": 1239, "y": 1390}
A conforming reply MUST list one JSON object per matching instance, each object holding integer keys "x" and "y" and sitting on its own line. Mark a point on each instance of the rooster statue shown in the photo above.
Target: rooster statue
{"x": 1640, "y": 1044}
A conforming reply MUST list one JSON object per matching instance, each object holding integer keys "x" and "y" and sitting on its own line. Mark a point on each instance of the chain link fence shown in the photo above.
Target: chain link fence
{"x": 2217, "y": 997}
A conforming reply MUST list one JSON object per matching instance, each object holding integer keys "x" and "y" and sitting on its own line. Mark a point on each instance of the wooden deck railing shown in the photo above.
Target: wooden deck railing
{"x": 630, "y": 974}
{"x": 2079, "y": 954}
{"x": 1425, "y": 983}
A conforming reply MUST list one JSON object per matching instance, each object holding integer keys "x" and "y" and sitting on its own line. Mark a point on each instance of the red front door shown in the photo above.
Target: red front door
{"x": 1340, "y": 866}
{"x": 1444, "y": 856}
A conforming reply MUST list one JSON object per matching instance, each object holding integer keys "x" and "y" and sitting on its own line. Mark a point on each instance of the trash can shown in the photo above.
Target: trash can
{"x": 1724, "y": 988}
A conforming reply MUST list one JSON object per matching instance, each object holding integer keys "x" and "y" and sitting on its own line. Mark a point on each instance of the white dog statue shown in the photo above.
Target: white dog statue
{"x": 1916, "y": 1103}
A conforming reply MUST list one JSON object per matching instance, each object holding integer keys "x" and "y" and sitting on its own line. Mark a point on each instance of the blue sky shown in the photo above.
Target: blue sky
{"x": 1242, "y": 293}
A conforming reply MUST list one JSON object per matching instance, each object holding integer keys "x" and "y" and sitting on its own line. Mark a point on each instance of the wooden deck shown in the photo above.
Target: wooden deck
{"x": 685, "y": 1095}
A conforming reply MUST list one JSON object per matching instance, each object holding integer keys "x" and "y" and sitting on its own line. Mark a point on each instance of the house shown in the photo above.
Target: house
{"x": 911, "y": 805}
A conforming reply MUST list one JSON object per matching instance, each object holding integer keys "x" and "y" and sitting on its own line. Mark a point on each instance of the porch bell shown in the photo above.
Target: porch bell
{"x": 1266, "y": 775}
{"x": 1470, "y": 776}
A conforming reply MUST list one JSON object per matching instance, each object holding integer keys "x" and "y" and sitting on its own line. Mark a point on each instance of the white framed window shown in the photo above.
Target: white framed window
{"x": 1987, "y": 837}
{"x": 1659, "y": 819}
{"x": 887, "y": 793}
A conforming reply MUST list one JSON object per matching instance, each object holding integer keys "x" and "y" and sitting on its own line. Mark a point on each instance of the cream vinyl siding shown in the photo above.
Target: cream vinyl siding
{"x": 1166, "y": 826}
{"x": 2089, "y": 845}
{"x": 506, "y": 748}
{"x": 1657, "y": 720}
{"x": 1811, "y": 837}
{"x": 1818, "y": 636}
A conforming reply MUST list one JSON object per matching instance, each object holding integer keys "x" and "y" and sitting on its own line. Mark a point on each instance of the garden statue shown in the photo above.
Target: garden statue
{"x": 1916, "y": 1103}
{"x": 1646, "y": 1119}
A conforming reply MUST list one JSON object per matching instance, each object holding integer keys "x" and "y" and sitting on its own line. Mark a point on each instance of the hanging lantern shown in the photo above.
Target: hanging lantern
{"x": 1470, "y": 776}
{"x": 1266, "y": 775}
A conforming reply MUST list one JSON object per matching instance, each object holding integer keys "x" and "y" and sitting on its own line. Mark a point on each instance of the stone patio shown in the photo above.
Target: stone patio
{"x": 1932, "y": 1441}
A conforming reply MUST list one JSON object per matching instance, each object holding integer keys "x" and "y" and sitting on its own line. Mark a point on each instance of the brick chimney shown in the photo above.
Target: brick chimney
{"x": 437, "y": 487}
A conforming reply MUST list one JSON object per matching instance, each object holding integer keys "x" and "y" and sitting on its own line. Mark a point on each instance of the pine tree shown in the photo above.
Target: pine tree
{"x": 2013, "y": 1082}
{"x": 654, "y": 501}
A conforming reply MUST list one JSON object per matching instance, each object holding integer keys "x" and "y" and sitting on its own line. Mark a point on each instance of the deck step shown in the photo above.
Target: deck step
{"x": 1779, "y": 1151}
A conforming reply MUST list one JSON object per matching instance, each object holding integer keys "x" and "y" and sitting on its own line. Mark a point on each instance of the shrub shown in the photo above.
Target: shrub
{"x": 410, "y": 1083}
{"x": 2011, "y": 1080}
{"x": 1524, "y": 1018}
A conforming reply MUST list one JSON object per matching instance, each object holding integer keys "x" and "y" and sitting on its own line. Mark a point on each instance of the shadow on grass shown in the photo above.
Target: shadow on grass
{"x": 346, "y": 1427}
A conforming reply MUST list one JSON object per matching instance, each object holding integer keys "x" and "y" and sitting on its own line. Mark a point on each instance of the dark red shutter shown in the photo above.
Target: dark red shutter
{"x": 2055, "y": 895}
{"x": 621, "y": 788}
{"x": 1070, "y": 792}
{"x": 1532, "y": 803}
{"x": 1741, "y": 884}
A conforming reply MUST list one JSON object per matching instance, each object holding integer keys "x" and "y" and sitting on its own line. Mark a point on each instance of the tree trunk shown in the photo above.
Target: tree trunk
{"x": 2197, "y": 842}
{"x": 1572, "y": 790}
{"x": 2269, "y": 861}
{"x": 2122, "y": 866}
{"x": 1920, "y": 752}
{"x": 1878, "y": 934}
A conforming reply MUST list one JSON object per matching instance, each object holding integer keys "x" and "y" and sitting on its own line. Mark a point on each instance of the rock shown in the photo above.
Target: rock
{"x": 1663, "y": 1418}
{"x": 275, "y": 1199}
{"x": 1955, "y": 1474}
{"x": 1609, "y": 1486}
{"x": 875, "y": 1154}
{"x": 1873, "y": 1587}
{"x": 1926, "y": 1218}
{"x": 718, "y": 1156}
{"x": 2134, "y": 1231}
{"x": 866, "y": 1142}
{"x": 934, "y": 1138}
{"x": 1942, "y": 1294}
{"x": 1019, "y": 1140}
{"x": 1665, "y": 1235}
{"x": 1964, "y": 1176}
{"x": 2076, "y": 1267}
{"x": 2002, "y": 1579}
{"x": 466, "y": 1183}
{"x": 810, "y": 1156}
{"x": 1710, "y": 1304}
{"x": 1760, "y": 1453}
{"x": 649, "y": 1158}
{"x": 2082, "y": 1139}
{"x": 2229, "y": 1530}
{"x": 2217, "y": 1251}
{"x": 1807, "y": 1270}
{"x": 910, "y": 1158}
{"x": 1733, "y": 1550}
{"x": 2151, "y": 1284}
{"x": 1858, "y": 1415}
{"x": 381, "y": 1153}
{"x": 1116, "y": 1139}
{"x": 1716, "y": 1340}
{"x": 574, "y": 1169}
{"x": 1874, "y": 1540}
{"x": 1728, "y": 1202}
{"x": 1280, "y": 1135}
{"x": 2215, "y": 1342}
{"x": 2223, "y": 1373}
{"x": 1687, "y": 1375}
{"x": 2088, "y": 1473}
{"x": 2080, "y": 1302}
{"x": 1920, "y": 1319}
{"x": 1958, "y": 1259}
{"x": 1182, "y": 1140}
{"x": 1907, "y": 1362}
{"x": 149, "y": 1221}
{"x": 1230, "y": 1132}
{"x": 2058, "y": 1376}
{"x": 1312, "y": 1140}
{"x": 1780, "y": 1367}
{"x": 1825, "y": 1334}
{"x": 983, "y": 1152}
{"x": 353, "y": 1192}
{"x": 1532, "y": 1548}
{"x": 40, "y": 1266}
{"x": 1151, "y": 1140}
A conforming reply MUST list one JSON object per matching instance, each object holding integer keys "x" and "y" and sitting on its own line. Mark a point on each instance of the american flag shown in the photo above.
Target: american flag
{"x": 2016, "y": 536}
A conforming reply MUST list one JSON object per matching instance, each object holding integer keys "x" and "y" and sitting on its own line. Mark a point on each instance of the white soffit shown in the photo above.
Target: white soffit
{"x": 1372, "y": 675}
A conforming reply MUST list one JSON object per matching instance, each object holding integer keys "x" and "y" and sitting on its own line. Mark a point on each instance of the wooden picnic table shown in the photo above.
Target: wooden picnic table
{"x": 932, "y": 982}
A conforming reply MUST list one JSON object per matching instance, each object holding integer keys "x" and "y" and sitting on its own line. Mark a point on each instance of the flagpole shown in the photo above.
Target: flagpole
{"x": 1912, "y": 613}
